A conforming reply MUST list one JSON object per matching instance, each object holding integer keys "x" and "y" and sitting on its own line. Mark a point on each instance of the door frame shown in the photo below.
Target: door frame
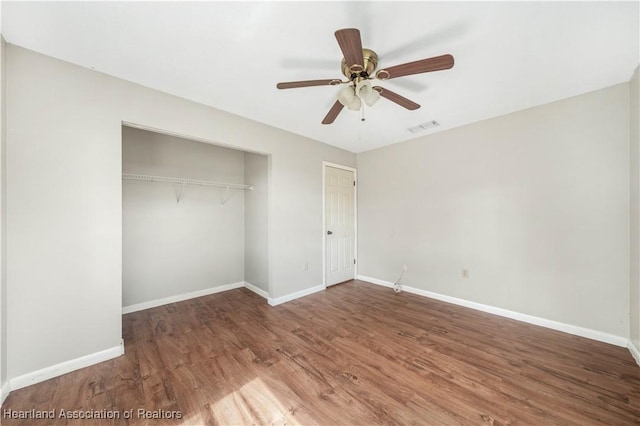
{"x": 326, "y": 164}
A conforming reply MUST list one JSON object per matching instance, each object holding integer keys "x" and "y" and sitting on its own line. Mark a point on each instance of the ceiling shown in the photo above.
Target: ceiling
{"x": 508, "y": 55}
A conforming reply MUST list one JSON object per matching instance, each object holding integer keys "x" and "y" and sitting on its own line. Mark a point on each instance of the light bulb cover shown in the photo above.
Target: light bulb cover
{"x": 355, "y": 104}
{"x": 346, "y": 96}
{"x": 363, "y": 89}
{"x": 372, "y": 98}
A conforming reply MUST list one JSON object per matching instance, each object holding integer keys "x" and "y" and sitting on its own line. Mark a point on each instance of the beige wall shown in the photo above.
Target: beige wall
{"x": 535, "y": 204}
{"x": 3, "y": 218}
{"x": 171, "y": 248}
{"x": 64, "y": 194}
{"x": 256, "y": 267}
{"x": 634, "y": 139}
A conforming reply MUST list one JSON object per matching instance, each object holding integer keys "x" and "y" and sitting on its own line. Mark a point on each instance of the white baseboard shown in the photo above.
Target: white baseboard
{"x": 289, "y": 297}
{"x": 180, "y": 297}
{"x": 376, "y": 281}
{"x": 256, "y": 290}
{"x": 543, "y": 322}
{"x": 65, "y": 367}
{"x": 4, "y": 392}
{"x": 635, "y": 353}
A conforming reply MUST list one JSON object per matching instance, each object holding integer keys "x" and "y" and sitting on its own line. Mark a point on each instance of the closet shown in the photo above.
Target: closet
{"x": 194, "y": 218}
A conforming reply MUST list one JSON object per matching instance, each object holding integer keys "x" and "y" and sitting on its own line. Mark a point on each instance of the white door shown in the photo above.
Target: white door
{"x": 339, "y": 225}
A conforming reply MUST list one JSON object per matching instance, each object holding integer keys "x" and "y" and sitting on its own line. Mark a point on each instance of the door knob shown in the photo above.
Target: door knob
{"x": 329, "y": 233}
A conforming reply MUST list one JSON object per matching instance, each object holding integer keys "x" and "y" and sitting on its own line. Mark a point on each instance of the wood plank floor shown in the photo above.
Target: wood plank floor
{"x": 354, "y": 354}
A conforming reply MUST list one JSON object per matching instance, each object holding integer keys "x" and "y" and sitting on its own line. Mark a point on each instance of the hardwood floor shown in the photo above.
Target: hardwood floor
{"x": 354, "y": 354}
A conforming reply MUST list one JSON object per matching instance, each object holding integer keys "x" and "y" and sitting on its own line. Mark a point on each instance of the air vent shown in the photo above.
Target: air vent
{"x": 424, "y": 126}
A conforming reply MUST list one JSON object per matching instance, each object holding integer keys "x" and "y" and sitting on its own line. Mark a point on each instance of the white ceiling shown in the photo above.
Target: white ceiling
{"x": 230, "y": 55}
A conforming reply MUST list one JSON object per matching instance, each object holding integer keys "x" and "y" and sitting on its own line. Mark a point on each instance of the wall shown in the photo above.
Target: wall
{"x": 256, "y": 268}
{"x": 171, "y": 248}
{"x": 3, "y": 226}
{"x": 535, "y": 204}
{"x": 634, "y": 140}
{"x": 64, "y": 197}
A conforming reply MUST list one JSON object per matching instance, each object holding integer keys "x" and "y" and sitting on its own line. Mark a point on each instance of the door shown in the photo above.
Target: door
{"x": 339, "y": 225}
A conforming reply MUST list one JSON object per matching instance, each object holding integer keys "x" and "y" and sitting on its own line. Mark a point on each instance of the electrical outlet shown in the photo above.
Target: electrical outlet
{"x": 465, "y": 273}
{"x": 405, "y": 268}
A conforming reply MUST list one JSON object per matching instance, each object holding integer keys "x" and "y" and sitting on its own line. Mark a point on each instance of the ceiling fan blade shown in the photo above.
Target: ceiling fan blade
{"x": 394, "y": 97}
{"x": 351, "y": 46}
{"x": 307, "y": 83}
{"x": 436, "y": 63}
{"x": 333, "y": 113}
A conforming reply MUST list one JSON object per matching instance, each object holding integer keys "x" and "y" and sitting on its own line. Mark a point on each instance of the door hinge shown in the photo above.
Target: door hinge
{"x": 354, "y": 183}
{"x": 354, "y": 261}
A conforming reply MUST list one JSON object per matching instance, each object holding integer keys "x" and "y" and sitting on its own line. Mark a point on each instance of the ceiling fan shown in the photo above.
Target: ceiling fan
{"x": 358, "y": 66}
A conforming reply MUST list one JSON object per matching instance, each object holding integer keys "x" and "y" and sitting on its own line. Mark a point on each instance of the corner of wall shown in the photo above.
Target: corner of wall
{"x": 4, "y": 390}
{"x": 256, "y": 269}
{"x": 257, "y": 290}
{"x": 634, "y": 222}
{"x": 275, "y": 301}
{"x": 635, "y": 352}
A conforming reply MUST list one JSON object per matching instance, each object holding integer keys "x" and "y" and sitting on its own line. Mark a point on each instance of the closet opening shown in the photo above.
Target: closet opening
{"x": 194, "y": 219}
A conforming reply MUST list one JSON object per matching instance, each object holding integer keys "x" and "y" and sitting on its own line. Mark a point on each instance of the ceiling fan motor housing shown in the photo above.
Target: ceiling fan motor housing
{"x": 370, "y": 64}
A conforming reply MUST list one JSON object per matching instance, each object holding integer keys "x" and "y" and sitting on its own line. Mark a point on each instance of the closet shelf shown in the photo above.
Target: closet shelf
{"x": 184, "y": 181}
{"x": 130, "y": 176}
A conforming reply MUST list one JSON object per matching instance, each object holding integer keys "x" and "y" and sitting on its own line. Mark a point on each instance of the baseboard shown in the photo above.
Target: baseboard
{"x": 377, "y": 281}
{"x": 180, "y": 297}
{"x": 292, "y": 296}
{"x": 65, "y": 367}
{"x": 543, "y": 322}
{"x": 4, "y": 392}
{"x": 256, "y": 290}
{"x": 635, "y": 353}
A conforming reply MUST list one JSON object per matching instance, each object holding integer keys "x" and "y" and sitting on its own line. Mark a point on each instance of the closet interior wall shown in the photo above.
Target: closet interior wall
{"x": 256, "y": 270}
{"x": 170, "y": 247}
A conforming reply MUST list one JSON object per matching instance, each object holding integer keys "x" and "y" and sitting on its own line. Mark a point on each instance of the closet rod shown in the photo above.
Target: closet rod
{"x": 130, "y": 176}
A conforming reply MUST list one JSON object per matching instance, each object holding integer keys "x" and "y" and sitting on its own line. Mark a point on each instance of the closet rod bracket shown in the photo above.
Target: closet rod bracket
{"x": 180, "y": 193}
{"x": 224, "y": 199}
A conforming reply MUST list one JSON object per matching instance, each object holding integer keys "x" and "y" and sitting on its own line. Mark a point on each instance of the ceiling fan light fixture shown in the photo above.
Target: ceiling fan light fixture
{"x": 366, "y": 92}
{"x": 363, "y": 89}
{"x": 355, "y": 104}
{"x": 346, "y": 96}
{"x": 372, "y": 98}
